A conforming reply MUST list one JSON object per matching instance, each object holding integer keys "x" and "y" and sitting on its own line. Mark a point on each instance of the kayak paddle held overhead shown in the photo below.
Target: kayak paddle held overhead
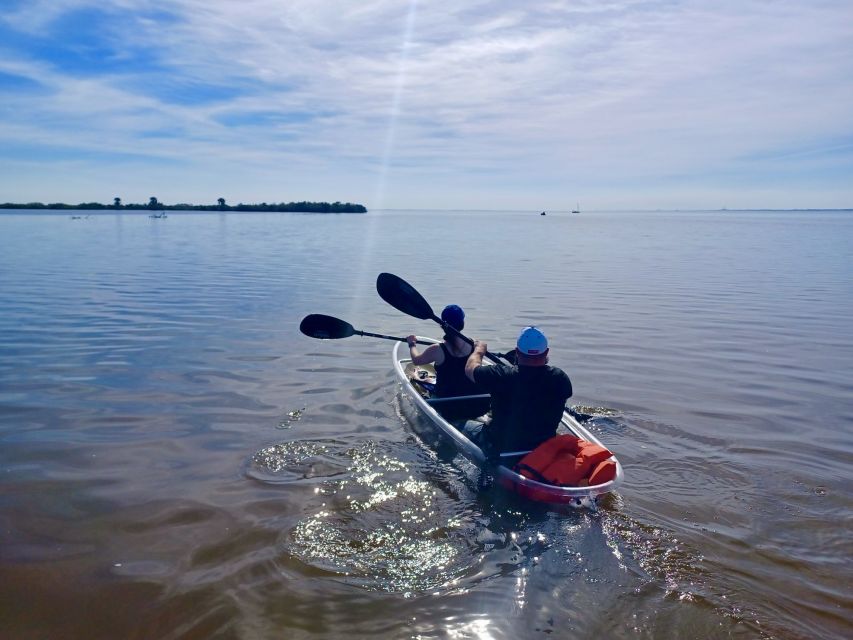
{"x": 404, "y": 297}
{"x": 325, "y": 327}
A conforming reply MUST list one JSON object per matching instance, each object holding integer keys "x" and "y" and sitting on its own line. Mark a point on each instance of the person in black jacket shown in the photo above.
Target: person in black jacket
{"x": 527, "y": 398}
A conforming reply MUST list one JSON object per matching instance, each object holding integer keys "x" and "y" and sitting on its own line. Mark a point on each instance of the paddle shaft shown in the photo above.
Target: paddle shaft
{"x": 395, "y": 338}
{"x": 323, "y": 327}
{"x": 496, "y": 357}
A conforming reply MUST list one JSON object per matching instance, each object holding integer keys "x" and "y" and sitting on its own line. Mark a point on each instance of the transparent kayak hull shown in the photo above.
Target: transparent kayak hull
{"x": 503, "y": 473}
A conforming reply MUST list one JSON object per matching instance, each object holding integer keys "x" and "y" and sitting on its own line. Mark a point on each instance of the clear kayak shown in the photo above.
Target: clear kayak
{"x": 415, "y": 381}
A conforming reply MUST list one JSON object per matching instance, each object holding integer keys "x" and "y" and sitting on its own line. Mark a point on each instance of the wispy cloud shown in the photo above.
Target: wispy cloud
{"x": 493, "y": 104}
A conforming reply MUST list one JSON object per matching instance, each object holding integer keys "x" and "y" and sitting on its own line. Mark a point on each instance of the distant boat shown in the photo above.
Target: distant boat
{"x": 162, "y": 214}
{"x": 577, "y": 208}
{"x": 542, "y": 214}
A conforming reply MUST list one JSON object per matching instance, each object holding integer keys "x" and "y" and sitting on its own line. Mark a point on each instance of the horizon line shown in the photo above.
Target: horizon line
{"x": 656, "y": 210}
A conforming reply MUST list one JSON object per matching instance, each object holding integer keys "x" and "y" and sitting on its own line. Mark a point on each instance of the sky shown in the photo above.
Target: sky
{"x": 500, "y": 104}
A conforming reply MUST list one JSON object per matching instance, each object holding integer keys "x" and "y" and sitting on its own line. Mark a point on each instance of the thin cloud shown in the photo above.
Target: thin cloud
{"x": 560, "y": 100}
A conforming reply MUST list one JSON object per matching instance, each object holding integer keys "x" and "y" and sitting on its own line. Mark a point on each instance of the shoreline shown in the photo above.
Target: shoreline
{"x": 283, "y": 207}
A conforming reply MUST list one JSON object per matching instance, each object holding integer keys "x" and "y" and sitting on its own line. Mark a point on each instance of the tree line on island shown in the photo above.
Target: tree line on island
{"x": 154, "y": 204}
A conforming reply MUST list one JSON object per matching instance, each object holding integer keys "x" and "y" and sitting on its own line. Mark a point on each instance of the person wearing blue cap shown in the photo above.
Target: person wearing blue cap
{"x": 449, "y": 357}
{"x": 527, "y": 398}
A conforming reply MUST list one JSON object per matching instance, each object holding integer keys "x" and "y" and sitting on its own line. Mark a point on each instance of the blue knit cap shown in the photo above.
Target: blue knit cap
{"x": 454, "y": 316}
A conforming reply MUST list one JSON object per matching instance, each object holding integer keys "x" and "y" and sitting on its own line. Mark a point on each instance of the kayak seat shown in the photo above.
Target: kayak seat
{"x": 461, "y": 407}
{"x": 454, "y": 399}
{"x": 426, "y": 387}
{"x": 566, "y": 460}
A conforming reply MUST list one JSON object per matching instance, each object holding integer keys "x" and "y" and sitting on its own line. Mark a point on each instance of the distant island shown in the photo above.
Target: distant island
{"x": 156, "y": 205}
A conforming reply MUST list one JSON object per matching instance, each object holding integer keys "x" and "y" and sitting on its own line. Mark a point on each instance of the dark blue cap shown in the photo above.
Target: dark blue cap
{"x": 454, "y": 316}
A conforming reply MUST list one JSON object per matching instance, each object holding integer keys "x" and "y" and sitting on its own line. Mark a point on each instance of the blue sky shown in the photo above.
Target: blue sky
{"x": 400, "y": 104}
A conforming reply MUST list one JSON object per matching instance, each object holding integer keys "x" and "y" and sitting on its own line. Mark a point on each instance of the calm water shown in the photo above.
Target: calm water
{"x": 178, "y": 461}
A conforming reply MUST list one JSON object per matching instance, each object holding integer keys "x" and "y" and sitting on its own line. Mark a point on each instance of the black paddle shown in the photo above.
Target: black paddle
{"x": 323, "y": 327}
{"x": 404, "y": 297}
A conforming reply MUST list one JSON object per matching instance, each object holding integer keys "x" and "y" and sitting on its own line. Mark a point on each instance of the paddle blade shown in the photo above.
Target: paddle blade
{"x": 403, "y": 296}
{"x": 325, "y": 327}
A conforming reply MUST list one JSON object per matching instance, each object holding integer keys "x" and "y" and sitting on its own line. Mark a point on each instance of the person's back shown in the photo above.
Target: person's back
{"x": 449, "y": 358}
{"x": 451, "y": 380}
{"x": 527, "y": 399}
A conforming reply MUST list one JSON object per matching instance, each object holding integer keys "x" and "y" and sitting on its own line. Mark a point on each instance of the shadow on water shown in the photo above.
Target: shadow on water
{"x": 409, "y": 518}
{"x": 601, "y": 547}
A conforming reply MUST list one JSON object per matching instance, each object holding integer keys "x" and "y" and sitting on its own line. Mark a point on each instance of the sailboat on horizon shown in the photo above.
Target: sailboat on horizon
{"x": 577, "y": 208}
